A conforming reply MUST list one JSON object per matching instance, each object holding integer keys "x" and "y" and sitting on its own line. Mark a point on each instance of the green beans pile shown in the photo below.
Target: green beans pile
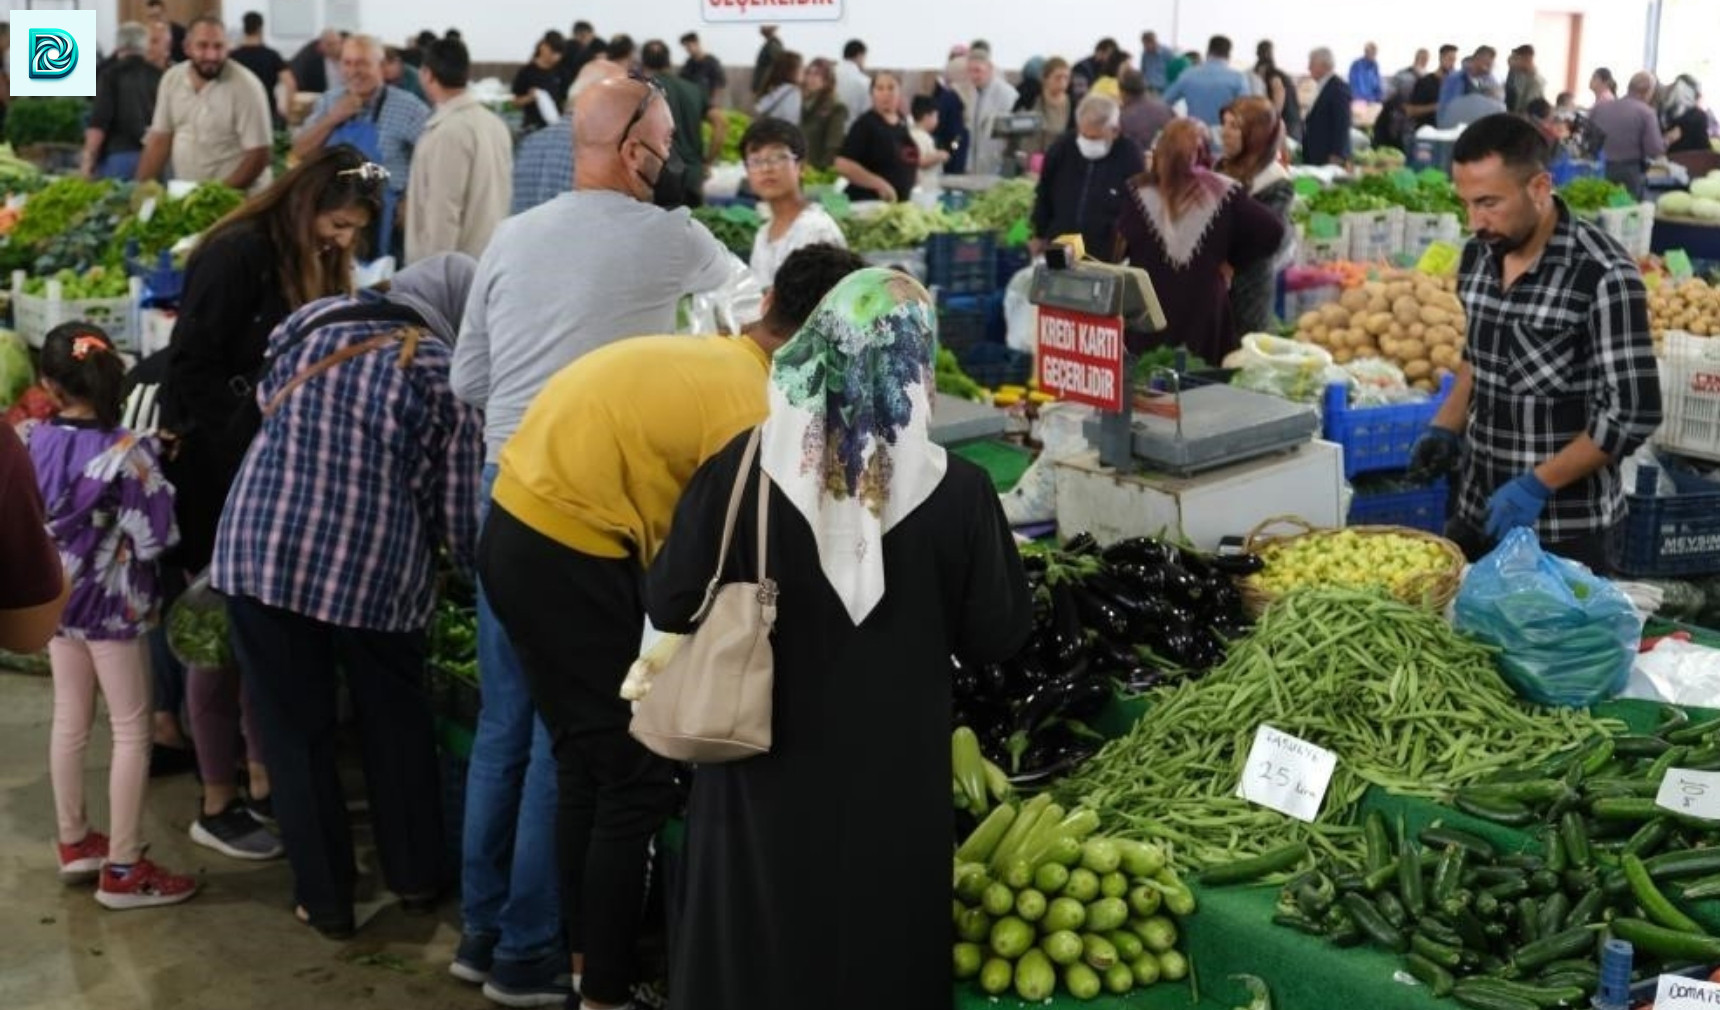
{"x": 1403, "y": 700}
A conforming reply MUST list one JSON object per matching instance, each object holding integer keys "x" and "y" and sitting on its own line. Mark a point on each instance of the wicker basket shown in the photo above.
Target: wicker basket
{"x": 1434, "y": 591}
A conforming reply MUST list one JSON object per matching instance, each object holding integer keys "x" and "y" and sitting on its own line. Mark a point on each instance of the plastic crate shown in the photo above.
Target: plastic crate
{"x": 1690, "y": 396}
{"x": 162, "y": 282}
{"x": 1377, "y": 438}
{"x": 1421, "y": 508}
{"x": 1011, "y": 262}
{"x": 962, "y": 263}
{"x": 1667, "y": 535}
{"x": 966, "y": 321}
{"x": 1566, "y": 170}
{"x": 994, "y": 365}
{"x": 34, "y": 315}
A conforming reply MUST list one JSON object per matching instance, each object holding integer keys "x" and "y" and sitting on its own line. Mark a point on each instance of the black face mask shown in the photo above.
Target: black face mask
{"x": 670, "y": 163}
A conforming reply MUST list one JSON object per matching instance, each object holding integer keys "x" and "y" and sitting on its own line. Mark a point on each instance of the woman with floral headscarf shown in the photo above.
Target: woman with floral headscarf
{"x": 890, "y": 557}
{"x": 1190, "y": 228}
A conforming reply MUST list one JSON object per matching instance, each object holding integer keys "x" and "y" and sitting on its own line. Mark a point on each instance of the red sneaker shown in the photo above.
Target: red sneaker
{"x": 145, "y": 886}
{"x": 84, "y": 860}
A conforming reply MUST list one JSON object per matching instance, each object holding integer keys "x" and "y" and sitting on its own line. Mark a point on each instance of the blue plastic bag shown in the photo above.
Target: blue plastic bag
{"x": 1565, "y": 635}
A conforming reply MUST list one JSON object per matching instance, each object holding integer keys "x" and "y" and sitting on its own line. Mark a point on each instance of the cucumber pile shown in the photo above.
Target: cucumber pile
{"x": 1514, "y": 927}
{"x": 1042, "y": 900}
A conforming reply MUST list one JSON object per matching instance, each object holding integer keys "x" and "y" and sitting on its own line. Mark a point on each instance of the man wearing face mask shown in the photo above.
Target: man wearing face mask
{"x": 538, "y": 303}
{"x": 1086, "y": 179}
{"x": 212, "y": 116}
{"x": 463, "y": 166}
{"x": 1558, "y": 382}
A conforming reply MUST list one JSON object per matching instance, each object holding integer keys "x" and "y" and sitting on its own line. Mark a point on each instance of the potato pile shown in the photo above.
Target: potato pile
{"x": 1692, "y": 306}
{"x": 1406, "y": 317}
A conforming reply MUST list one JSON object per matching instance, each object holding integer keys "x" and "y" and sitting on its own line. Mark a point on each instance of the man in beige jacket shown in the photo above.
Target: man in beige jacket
{"x": 462, "y": 167}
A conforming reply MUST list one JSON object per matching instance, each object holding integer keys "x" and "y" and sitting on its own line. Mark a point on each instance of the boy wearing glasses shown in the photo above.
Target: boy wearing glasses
{"x": 774, "y": 151}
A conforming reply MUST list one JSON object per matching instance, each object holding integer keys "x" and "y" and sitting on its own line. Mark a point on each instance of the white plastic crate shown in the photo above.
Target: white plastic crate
{"x": 34, "y": 315}
{"x": 1423, "y": 230}
{"x": 1319, "y": 251}
{"x": 1375, "y": 235}
{"x": 1633, "y": 227}
{"x": 1690, "y": 395}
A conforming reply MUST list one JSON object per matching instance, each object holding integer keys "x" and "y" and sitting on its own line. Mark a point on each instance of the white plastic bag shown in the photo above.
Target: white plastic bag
{"x": 728, "y": 308}
{"x": 1062, "y": 436}
{"x": 1679, "y": 673}
{"x": 1019, "y": 315}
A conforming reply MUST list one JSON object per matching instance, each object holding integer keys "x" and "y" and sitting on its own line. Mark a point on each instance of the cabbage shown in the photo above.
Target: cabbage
{"x": 16, "y": 373}
{"x": 1706, "y": 209}
{"x": 1676, "y": 204}
{"x": 1708, "y": 186}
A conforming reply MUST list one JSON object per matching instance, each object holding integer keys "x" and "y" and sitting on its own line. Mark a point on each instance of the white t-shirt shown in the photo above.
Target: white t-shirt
{"x": 931, "y": 177}
{"x": 813, "y": 225}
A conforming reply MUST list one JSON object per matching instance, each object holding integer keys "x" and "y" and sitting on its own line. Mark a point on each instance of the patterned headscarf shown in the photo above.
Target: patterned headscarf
{"x": 847, "y": 439}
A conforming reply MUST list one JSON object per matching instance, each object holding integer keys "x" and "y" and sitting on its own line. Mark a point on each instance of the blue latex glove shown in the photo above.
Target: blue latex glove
{"x": 1518, "y": 503}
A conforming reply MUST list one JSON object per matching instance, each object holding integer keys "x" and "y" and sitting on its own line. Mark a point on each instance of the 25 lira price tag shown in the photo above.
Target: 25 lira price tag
{"x": 1675, "y": 992}
{"x": 1694, "y": 794}
{"x": 1287, "y": 774}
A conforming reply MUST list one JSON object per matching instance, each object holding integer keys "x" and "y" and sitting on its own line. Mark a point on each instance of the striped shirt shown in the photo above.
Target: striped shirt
{"x": 1565, "y": 351}
{"x": 356, "y": 482}
{"x": 543, "y": 165}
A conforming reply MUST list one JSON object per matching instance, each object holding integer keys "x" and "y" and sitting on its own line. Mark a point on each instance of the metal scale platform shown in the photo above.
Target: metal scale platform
{"x": 1175, "y": 424}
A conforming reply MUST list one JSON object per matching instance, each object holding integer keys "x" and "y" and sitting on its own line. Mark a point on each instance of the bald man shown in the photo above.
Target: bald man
{"x": 379, "y": 119}
{"x": 560, "y": 280}
{"x": 1633, "y": 136}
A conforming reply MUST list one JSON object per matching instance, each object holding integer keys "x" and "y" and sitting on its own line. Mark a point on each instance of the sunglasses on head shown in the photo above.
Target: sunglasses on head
{"x": 652, "y": 90}
{"x": 368, "y": 174}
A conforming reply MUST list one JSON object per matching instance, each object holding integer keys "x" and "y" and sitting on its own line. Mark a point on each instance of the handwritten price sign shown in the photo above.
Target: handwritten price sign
{"x": 1694, "y": 794}
{"x": 1287, "y": 774}
{"x": 1675, "y": 992}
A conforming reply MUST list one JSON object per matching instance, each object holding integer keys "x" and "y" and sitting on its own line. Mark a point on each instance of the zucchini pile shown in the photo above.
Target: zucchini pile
{"x": 1041, "y": 900}
{"x": 1499, "y": 929}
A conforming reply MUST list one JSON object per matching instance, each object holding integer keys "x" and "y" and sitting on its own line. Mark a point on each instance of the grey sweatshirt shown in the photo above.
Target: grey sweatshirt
{"x": 568, "y": 277}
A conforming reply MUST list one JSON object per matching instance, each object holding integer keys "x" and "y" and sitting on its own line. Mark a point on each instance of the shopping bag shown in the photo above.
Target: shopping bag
{"x": 1565, "y": 636}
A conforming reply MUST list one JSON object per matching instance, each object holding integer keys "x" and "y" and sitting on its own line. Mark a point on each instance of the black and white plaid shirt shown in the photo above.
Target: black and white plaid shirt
{"x": 1565, "y": 351}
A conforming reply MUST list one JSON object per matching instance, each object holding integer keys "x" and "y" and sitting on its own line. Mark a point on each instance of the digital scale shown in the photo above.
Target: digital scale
{"x": 1012, "y": 129}
{"x": 1186, "y": 428}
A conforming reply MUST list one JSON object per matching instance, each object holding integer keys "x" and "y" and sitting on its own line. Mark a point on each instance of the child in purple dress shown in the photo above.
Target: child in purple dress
{"x": 110, "y": 511}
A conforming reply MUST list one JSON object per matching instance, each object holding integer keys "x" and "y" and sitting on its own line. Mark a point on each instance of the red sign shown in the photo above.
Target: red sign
{"x": 1081, "y": 357}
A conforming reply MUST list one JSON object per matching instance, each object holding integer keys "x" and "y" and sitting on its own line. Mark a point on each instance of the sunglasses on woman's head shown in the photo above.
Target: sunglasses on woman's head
{"x": 368, "y": 174}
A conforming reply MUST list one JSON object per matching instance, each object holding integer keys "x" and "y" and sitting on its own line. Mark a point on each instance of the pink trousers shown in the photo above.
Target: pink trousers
{"x": 122, "y": 671}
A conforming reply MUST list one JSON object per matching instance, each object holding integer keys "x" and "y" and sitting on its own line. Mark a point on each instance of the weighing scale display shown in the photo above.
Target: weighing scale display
{"x": 1077, "y": 291}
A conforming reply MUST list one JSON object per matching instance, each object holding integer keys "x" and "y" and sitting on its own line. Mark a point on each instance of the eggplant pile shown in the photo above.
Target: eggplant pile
{"x": 1129, "y": 616}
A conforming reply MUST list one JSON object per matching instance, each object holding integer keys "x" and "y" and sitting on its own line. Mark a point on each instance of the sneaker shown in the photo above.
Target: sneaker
{"x": 262, "y": 811}
{"x": 145, "y": 885}
{"x": 544, "y": 982}
{"x": 84, "y": 860}
{"x": 472, "y": 961}
{"x": 234, "y": 834}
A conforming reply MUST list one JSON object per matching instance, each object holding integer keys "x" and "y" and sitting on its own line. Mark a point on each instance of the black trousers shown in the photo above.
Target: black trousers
{"x": 575, "y": 621}
{"x": 1591, "y": 550}
{"x": 292, "y": 663}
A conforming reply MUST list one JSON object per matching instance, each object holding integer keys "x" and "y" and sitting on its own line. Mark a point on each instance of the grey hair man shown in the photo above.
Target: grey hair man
{"x": 1086, "y": 178}
{"x": 125, "y": 103}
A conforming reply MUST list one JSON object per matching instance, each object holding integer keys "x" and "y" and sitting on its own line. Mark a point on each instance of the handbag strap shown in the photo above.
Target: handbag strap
{"x": 407, "y": 338}
{"x": 734, "y": 511}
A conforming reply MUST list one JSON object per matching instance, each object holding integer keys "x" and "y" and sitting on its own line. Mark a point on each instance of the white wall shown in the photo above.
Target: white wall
{"x": 917, "y": 33}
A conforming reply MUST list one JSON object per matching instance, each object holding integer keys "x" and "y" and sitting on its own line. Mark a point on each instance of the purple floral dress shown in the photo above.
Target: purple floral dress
{"x": 110, "y": 511}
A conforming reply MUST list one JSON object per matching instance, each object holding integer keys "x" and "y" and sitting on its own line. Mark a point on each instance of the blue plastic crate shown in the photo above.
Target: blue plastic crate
{"x": 1667, "y": 535}
{"x": 164, "y": 283}
{"x": 966, "y": 321}
{"x": 1567, "y": 169}
{"x": 1377, "y": 438}
{"x": 994, "y": 365}
{"x": 962, "y": 263}
{"x": 1418, "y": 508}
{"x": 1011, "y": 262}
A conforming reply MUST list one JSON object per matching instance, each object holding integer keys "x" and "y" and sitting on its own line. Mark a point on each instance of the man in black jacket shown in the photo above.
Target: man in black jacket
{"x": 1326, "y": 130}
{"x": 1086, "y": 179}
{"x": 125, "y": 104}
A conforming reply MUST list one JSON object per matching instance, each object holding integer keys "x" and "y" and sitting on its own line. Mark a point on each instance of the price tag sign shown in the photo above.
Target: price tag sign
{"x": 147, "y": 211}
{"x": 1440, "y": 260}
{"x": 1694, "y": 794}
{"x": 1322, "y": 226}
{"x": 1286, "y": 774}
{"x": 1675, "y": 992}
{"x": 1678, "y": 265}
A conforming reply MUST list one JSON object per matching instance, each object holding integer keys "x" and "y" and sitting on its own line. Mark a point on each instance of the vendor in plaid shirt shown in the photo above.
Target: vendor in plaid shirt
{"x": 1558, "y": 382}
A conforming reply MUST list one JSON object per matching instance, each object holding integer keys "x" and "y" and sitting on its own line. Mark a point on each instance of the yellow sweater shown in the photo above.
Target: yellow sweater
{"x": 609, "y": 444}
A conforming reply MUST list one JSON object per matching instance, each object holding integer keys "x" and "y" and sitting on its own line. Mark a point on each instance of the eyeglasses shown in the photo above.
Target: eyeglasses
{"x": 652, "y": 90}
{"x": 770, "y": 161}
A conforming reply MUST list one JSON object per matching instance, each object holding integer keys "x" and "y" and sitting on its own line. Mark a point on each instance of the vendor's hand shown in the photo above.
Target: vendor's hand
{"x": 1518, "y": 503}
{"x": 1434, "y": 455}
{"x": 887, "y": 193}
{"x": 346, "y": 107}
{"x": 1036, "y": 247}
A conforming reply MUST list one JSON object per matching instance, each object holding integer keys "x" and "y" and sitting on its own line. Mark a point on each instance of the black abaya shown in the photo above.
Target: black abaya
{"x": 818, "y": 875}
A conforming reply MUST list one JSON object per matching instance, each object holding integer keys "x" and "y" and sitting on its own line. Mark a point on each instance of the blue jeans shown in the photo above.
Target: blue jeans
{"x": 508, "y": 875}
{"x": 121, "y": 166}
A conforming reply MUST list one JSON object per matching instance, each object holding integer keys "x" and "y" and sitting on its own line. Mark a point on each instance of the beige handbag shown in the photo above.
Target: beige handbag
{"x": 711, "y": 702}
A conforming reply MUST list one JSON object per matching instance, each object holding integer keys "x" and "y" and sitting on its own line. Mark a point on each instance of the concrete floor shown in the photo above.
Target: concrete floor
{"x": 235, "y": 945}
